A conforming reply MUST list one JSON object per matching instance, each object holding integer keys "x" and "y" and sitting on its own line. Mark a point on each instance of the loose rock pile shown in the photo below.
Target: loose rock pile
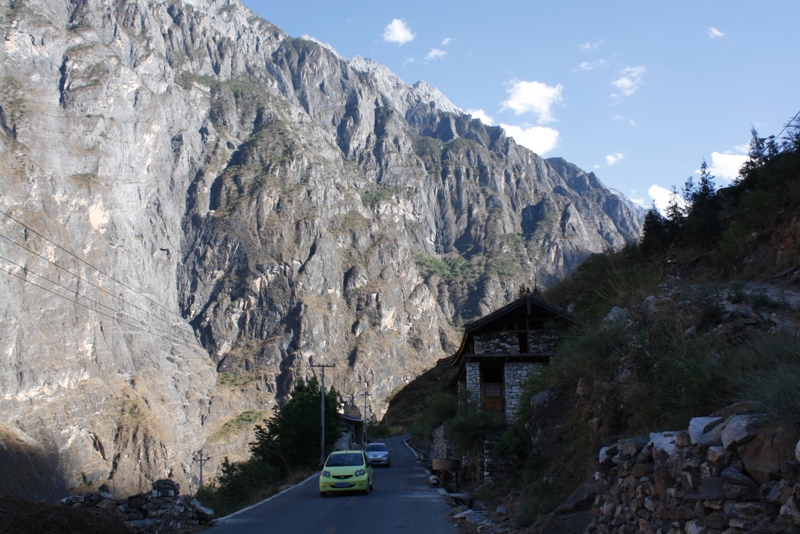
{"x": 162, "y": 510}
{"x": 721, "y": 475}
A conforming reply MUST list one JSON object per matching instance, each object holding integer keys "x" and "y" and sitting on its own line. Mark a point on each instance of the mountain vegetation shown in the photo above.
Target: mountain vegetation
{"x": 285, "y": 449}
{"x": 701, "y": 314}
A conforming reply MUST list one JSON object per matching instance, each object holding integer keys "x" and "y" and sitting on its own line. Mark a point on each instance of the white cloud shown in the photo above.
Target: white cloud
{"x": 398, "y": 32}
{"x": 540, "y": 139}
{"x": 662, "y": 197}
{"x": 482, "y": 115}
{"x": 590, "y": 47}
{"x": 726, "y": 166}
{"x": 435, "y": 53}
{"x": 714, "y": 33}
{"x": 533, "y": 97}
{"x": 447, "y": 40}
{"x": 636, "y": 199}
{"x": 611, "y": 159}
{"x": 587, "y": 66}
{"x": 408, "y": 60}
{"x": 630, "y": 80}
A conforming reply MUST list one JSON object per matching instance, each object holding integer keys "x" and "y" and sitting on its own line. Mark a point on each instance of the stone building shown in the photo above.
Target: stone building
{"x": 500, "y": 351}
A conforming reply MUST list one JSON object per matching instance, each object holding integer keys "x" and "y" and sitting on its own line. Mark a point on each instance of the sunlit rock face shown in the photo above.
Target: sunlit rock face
{"x": 196, "y": 207}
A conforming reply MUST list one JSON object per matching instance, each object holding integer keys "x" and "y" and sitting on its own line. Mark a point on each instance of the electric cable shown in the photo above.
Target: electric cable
{"x": 123, "y": 284}
{"x": 79, "y": 277}
{"x": 95, "y": 302}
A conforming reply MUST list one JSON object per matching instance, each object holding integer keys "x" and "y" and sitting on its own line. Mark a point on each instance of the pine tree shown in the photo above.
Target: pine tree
{"x": 290, "y": 438}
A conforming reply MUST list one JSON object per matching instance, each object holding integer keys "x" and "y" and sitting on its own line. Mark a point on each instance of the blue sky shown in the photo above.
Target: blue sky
{"x": 638, "y": 92}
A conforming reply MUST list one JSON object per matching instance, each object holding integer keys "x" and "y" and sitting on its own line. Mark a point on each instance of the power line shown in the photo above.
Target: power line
{"x": 113, "y": 318}
{"x": 95, "y": 302}
{"x": 79, "y": 277}
{"x": 123, "y": 284}
{"x": 787, "y": 124}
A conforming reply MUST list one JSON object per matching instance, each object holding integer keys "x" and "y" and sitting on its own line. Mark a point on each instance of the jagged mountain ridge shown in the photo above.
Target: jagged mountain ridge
{"x": 253, "y": 203}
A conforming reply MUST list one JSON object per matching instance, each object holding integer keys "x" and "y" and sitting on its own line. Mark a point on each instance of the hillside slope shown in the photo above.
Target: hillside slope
{"x": 693, "y": 333}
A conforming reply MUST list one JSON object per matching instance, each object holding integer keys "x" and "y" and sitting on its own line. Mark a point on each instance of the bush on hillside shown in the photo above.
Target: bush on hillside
{"x": 287, "y": 446}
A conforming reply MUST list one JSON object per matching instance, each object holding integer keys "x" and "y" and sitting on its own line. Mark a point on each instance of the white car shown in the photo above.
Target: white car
{"x": 378, "y": 454}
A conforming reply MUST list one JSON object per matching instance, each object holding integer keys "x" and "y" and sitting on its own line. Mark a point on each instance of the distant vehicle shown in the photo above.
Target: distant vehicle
{"x": 346, "y": 471}
{"x": 378, "y": 453}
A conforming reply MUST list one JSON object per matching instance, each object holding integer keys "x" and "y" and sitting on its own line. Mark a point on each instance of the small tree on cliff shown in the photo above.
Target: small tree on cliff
{"x": 290, "y": 439}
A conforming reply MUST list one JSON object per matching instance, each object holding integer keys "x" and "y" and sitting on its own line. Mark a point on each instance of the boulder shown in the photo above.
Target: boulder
{"x": 616, "y": 315}
{"x": 780, "y": 493}
{"x": 711, "y": 488}
{"x": 766, "y": 453}
{"x": 717, "y": 454}
{"x": 738, "y": 431}
{"x": 698, "y": 426}
{"x": 734, "y": 476}
{"x": 663, "y": 445}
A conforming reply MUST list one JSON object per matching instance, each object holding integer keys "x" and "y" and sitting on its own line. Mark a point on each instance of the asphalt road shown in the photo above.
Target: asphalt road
{"x": 402, "y": 502}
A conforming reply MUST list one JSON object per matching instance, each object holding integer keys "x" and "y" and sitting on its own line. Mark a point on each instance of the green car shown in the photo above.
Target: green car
{"x": 346, "y": 471}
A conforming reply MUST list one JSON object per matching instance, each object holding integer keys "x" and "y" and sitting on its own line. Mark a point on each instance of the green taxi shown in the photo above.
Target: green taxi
{"x": 346, "y": 471}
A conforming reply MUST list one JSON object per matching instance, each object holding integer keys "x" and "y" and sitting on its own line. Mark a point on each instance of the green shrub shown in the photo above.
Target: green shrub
{"x": 767, "y": 371}
{"x": 285, "y": 445}
{"x": 469, "y": 428}
{"x": 241, "y": 484}
{"x": 438, "y": 408}
{"x": 379, "y": 194}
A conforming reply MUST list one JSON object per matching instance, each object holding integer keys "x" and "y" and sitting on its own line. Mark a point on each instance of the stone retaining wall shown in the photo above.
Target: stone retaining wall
{"x": 162, "y": 510}
{"x": 721, "y": 475}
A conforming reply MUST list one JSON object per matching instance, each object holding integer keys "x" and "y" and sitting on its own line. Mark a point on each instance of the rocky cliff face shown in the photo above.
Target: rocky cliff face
{"x": 196, "y": 207}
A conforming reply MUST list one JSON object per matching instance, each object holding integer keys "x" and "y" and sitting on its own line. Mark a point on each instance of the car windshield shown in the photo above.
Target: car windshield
{"x": 376, "y": 447}
{"x": 339, "y": 460}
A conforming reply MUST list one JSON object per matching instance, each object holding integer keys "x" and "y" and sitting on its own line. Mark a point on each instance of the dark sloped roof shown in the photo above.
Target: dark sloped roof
{"x": 526, "y": 300}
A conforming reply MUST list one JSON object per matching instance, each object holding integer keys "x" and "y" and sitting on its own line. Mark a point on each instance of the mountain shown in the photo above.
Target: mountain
{"x": 197, "y": 207}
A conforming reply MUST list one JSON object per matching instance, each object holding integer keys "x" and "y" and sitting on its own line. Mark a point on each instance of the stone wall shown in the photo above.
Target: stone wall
{"x": 542, "y": 341}
{"x": 721, "y": 475}
{"x": 516, "y": 374}
{"x": 539, "y": 342}
{"x": 162, "y": 510}
{"x": 474, "y": 378}
{"x": 497, "y": 343}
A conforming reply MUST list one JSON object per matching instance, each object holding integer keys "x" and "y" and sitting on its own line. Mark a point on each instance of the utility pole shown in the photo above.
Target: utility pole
{"x": 365, "y": 395}
{"x": 201, "y": 460}
{"x": 322, "y": 413}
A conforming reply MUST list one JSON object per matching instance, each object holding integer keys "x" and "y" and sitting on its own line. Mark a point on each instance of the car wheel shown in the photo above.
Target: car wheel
{"x": 323, "y": 494}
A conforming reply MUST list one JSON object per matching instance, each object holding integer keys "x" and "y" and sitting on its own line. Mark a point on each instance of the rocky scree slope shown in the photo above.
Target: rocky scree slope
{"x": 196, "y": 206}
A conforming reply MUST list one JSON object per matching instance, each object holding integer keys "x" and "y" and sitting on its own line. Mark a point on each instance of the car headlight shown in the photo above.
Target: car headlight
{"x": 326, "y": 474}
{"x": 359, "y": 472}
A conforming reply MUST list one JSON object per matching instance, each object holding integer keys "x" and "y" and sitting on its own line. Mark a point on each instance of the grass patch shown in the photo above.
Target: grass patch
{"x": 187, "y": 79}
{"x": 242, "y": 421}
{"x": 767, "y": 371}
{"x": 84, "y": 179}
{"x": 380, "y": 194}
{"x": 234, "y": 380}
{"x": 12, "y": 100}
